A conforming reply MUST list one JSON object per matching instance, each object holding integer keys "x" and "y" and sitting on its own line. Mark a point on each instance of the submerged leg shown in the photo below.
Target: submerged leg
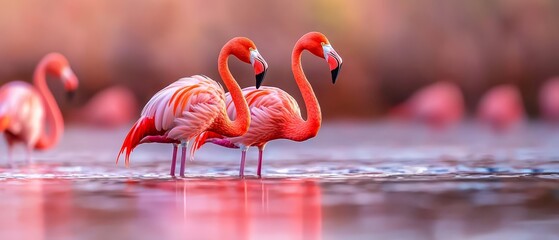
{"x": 260, "y": 153}
{"x": 243, "y": 157}
{"x": 174, "y": 161}
{"x": 183, "y": 158}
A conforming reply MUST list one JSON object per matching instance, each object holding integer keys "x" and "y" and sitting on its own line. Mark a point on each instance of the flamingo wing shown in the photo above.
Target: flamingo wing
{"x": 178, "y": 112}
{"x": 21, "y": 112}
{"x": 270, "y": 109}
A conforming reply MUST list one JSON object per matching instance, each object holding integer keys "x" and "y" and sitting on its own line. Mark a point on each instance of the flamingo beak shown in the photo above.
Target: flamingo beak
{"x": 70, "y": 95}
{"x": 260, "y": 66}
{"x": 70, "y": 82}
{"x": 334, "y": 61}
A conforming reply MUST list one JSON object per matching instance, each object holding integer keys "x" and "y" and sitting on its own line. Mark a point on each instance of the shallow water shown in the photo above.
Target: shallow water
{"x": 354, "y": 181}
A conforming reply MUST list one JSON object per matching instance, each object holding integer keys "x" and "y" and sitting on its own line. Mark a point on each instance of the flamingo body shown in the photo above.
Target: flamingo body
{"x": 501, "y": 107}
{"x": 270, "y": 107}
{"x": 274, "y": 113}
{"x": 438, "y": 105}
{"x": 21, "y": 107}
{"x": 29, "y": 113}
{"x": 190, "y": 106}
{"x": 549, "y": 100}
{"x": 111, "y": 107}
{"x": 178, "y": 112}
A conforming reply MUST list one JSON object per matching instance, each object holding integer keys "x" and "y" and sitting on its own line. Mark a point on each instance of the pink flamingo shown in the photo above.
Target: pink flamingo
{"x": 196, "y": 104}
{"x": 274, "y": 113}
{"x": 111, "y": 107}
{"x": 501, "y": 107}
{"x": 549, "y": 100}
{"x": 439, "y": 105}
{"x": 29, "y": 114}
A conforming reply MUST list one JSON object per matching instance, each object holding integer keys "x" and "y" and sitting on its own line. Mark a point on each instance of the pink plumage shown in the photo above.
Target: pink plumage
{"x": 110, "y": 108}
{"x": 438, "y": 105}
{"x": 192, "y": 105}
{"x": 28, "y": 113}
{"x": 501, "y": 107}
{"x": 274, "y": 113}
{"x": 549, "y": 100}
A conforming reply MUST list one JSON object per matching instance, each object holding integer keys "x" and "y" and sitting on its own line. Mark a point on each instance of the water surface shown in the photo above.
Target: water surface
{"x": 354, "y": 181}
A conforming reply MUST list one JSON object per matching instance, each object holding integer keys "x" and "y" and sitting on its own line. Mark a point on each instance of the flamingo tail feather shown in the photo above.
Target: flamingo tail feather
{"x": 142, "y": 128}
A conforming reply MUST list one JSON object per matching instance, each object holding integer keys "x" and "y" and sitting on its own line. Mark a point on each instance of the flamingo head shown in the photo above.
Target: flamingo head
{"x": 319, "y": 45}
{"x": 58, "y": 66}
{"x": 334, "y": 60}
{"x": 244, "y": 49}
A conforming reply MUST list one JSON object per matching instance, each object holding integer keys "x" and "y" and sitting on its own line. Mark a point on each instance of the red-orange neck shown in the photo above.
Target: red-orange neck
{"x": 304, "y": 129}
{"x": 226, "y": 126}
{"x": 54, "y": 121}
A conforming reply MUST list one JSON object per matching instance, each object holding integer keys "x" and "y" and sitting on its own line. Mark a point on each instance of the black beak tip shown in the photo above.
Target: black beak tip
{"x": 260, "y": 79}
{"x": 335, "y": 72}
{"x": 70, "y": 95}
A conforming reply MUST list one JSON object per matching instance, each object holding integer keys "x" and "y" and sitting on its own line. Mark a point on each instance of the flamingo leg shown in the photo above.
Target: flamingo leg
{"x": 183, "y": 158}
{"x": 174, "y": 161}
{"x": 260, "y": 153}
{"x": 242, "y": 167}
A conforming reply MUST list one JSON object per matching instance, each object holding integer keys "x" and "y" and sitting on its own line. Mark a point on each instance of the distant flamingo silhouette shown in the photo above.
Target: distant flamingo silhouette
{"x": 501, "y": 107}
{"x": 196, "y": 104}
{"x": 549, "y": 100}
{"x": 274, "y": 113}
{"x": 438, "y": 105}
{"x": 110, "y": 108}
{"x": 29, "y": 114}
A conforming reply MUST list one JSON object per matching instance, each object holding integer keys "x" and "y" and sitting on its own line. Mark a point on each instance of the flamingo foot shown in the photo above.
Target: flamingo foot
{"x": 174, "y": 161}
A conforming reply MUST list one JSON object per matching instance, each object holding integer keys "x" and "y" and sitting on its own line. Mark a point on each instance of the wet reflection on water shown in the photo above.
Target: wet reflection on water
{"x": 166, "y": 209}
{"x": 278, "y": 209}
{"x": 386, "y": 184}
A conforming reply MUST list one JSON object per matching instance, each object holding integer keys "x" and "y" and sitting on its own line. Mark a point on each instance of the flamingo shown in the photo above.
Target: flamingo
{"x": 110, "y": 108}
{"x": 549, "y": 100}
{"x": 195, "y": 104}
{"x": 439, "y": 105}
{"x": 501, "y": 107}
{"x": 29, "y": 114}
{"x": 274, "y": 113}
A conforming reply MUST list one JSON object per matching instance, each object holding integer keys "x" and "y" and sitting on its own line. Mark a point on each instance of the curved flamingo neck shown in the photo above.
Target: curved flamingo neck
{"x": 240, "y": 125}
{"x": 54, "y": 127}
{"x": 304, "y": 129}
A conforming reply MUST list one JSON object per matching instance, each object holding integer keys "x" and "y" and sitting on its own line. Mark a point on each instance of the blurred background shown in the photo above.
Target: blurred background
{"x": 390, "y": 48}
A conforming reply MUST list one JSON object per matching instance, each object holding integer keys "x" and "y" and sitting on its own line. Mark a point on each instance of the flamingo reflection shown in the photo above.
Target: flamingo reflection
{"x": 239, "y": 209}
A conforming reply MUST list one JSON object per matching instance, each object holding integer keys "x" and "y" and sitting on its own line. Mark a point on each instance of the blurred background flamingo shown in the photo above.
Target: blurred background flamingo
{"x": 503, "y": 42}
{"x": 29, "y": 113}
{"x": 439, "y": 105}
{"x": 501, "y": 108}
{"x": 196, "y": 104}
{"x": 549, "y": 100}
{"x": 110, "y": 108}
{"x": 274, "y": 113}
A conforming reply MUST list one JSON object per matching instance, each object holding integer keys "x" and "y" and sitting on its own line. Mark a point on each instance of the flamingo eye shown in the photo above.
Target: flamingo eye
{"x": 253, "y": 55}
